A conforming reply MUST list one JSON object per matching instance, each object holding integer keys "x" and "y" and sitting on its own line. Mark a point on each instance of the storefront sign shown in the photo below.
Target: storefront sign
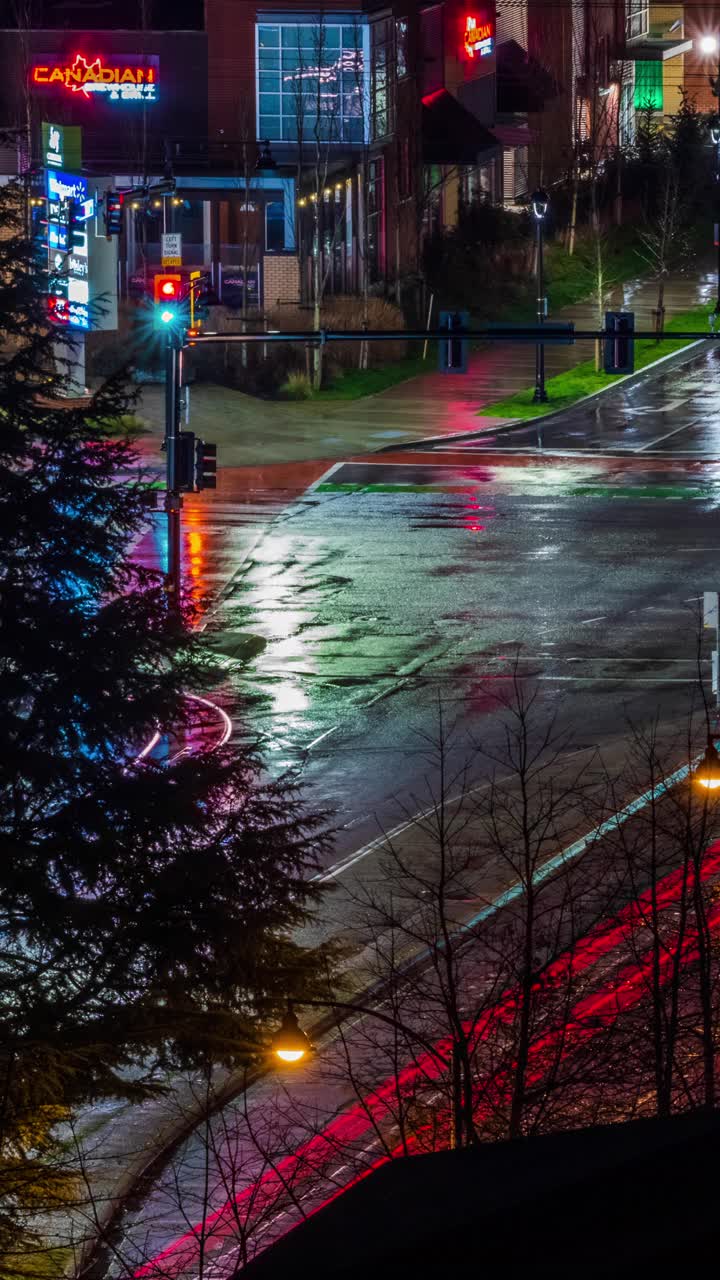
{"x": 130, "y": 78}
{"x": 70, "y": 207}
{"x": 62, "y": 145}
{"x": 479, "y": 38}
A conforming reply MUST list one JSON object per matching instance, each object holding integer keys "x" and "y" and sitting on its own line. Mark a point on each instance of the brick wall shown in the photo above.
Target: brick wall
{"x": 281, "y": 279}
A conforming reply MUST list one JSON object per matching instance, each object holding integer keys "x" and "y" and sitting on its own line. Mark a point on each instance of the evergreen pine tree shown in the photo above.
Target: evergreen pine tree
{"x": 146, "y": 911}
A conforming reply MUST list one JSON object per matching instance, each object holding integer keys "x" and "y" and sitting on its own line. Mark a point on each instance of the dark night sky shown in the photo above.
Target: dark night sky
{"x": 162, "y": 15}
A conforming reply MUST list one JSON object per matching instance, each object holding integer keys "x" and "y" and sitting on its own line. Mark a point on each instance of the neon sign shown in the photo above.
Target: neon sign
{"x": 478, "y": 38}
{"x": 70, "y": 206}
{"x": 134, "y": 78}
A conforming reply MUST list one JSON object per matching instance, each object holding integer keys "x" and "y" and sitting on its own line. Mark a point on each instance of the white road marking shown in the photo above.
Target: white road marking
{"x": 385, "y": 693}
{"x": 351, "y": 859}
{"x": 650, "y": 410}
{"x": 631, "y": 680}
{"x": 651, "y": 443}
{"x": 326, "y": 734}
{"x": 599, "y": 618}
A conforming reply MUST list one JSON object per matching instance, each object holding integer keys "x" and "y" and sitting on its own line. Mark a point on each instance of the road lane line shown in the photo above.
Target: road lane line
{"x": 351, "y": 859}
{"x": 625, "y": 679}
{"x": 600, "y": 618}
{"x": 651, "y": 443}
{"x": 326, "y": 734}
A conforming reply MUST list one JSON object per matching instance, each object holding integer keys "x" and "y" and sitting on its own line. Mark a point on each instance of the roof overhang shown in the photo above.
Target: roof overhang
{"x": 451, "y": 134}
{"x": 648, "y": 50}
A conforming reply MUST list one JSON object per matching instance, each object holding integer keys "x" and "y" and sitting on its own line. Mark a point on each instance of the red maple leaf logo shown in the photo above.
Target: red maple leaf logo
{"x": 81, "y": 65}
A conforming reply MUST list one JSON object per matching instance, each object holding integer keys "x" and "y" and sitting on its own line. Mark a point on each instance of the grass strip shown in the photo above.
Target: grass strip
{"x": 565, "y": 389}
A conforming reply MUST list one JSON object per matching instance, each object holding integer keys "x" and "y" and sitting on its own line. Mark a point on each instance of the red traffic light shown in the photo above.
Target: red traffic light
{"x": 167, "y": 288}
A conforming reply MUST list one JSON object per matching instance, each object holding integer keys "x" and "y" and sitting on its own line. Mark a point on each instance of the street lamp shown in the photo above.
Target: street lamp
{"x": 291, "y": 1046}
{"x": 707, "y": 773}
{"x": 540, "y": 201}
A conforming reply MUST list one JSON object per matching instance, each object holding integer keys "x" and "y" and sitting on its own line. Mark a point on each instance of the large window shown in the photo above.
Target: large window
{"x": 376, "y": 221}
{"x": 274, "y": 226}
{"x": 637, "y": 18}
{"x": 382, "y": 77}
{"x": 649, "y": 86}
{"x": 311, "y": 81}
{"x": 401, "y": 47}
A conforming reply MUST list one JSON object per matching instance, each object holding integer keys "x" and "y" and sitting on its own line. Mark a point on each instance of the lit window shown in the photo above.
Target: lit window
{"x": 649, "y": 86}
{"x": 637, "y": 18}
{"x": 274, "y": 226}
{"x": 381, "y": 82}
{"x": 401, "y": 47}
{"x": 311, "y": 81}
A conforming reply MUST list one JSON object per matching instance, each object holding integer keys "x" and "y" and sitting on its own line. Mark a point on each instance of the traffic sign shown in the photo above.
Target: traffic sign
{"x": 171, "y": 249}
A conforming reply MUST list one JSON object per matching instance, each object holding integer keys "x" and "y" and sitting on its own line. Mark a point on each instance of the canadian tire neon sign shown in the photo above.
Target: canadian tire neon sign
{"x": 130, "y": 78}
{"x": 478, "y": 38}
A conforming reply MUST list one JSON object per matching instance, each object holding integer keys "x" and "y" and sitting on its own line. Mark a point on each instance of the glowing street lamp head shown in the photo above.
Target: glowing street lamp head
{"x": 290, "y": 1044}
{"x": 540, "y": 201}
{"x": 707, "y": 773}
{"x": 709, "y": 44}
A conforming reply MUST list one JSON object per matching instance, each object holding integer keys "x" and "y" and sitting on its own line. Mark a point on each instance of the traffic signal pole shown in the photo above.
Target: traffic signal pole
{"x": 619, "y": 335}
{"x": 173, "y": 495}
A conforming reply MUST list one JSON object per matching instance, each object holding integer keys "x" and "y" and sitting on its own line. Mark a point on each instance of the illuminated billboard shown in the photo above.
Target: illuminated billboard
{"x": 479, "y": 37}
{"x": 122, "y": 78}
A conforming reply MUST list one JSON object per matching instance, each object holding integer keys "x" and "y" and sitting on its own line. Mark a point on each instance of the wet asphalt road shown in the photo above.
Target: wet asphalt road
{"x": 676, "y": 413}
{"x": 374, "y": 607}
{"x": 352, "y": 609}
{"x": 398, "y": 586}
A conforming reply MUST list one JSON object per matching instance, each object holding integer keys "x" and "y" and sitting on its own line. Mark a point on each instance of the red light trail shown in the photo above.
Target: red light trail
{"x": 588, "y": 1017}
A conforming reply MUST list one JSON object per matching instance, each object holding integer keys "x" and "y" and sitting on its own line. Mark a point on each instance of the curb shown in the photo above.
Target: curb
{"x": 514, "y": 424}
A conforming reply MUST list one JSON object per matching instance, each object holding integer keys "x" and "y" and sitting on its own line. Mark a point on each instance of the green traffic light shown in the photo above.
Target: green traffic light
{"x": 167, "y": 317}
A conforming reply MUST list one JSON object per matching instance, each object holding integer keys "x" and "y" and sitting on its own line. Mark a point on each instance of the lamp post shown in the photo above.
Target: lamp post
{"x": 540, "y": 202}
{"x": 290, "y": 1045}
{"x": 715, "y": 135}
{"x": 710, "y": 45}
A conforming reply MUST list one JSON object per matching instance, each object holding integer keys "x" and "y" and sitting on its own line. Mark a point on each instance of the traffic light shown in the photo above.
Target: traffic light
{"x": 185, "y": 461}
{"x": 619, "y": 347}
{"x": 113, "y": 213}
{"x": 205, "y": 465}
{"x": 166, "y": 295}
{"x": 453, "y": 352}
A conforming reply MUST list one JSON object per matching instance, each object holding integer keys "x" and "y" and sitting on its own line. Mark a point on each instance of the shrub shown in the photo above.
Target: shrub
{"x": 345, "y": 312}
{"x": 297, "y": 386}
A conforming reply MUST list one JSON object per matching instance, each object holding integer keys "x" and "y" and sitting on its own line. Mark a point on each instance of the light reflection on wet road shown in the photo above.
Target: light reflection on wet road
{"x": 672, "y": 413}
{"x": 348, "y": 608}
{"x": 365, "y": 605}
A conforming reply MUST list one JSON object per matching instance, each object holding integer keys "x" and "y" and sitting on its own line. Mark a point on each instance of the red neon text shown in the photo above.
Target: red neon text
{"x": 476, "y": 35}
{"x": 82, "y": 76}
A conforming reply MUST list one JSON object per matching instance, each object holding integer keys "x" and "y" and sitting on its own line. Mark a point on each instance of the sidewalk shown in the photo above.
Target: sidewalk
{"x": 252, "y": 432}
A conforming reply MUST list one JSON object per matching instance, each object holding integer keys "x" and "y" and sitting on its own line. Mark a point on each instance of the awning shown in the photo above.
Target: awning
{"x": 648, "y": 50}
{"x": 451, "y": 134}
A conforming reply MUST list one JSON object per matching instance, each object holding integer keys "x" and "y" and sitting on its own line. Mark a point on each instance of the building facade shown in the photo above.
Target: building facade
{"x": 315, "y": 147}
